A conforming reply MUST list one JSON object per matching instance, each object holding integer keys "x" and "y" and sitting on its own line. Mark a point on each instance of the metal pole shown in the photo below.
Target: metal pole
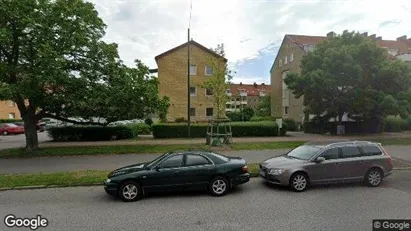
{"x": 188, "y": 83}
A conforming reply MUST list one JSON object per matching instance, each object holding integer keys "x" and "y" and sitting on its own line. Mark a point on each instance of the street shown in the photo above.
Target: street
{"x": 253, "y": 206}
{"x": 401, "y": 158}
{"x": 17, "y": 141}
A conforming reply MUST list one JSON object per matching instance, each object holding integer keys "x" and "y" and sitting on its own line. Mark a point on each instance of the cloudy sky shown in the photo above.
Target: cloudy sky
{"x": 251, "y": 31}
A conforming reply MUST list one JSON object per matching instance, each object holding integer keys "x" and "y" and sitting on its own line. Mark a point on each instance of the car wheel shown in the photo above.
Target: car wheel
{"x": 373, "y": 177}
{"x": 218, "y": 186}
{"x": 299, "y": 182}
{"x": 130, "y": 191}
{"x": 5, "y": 133}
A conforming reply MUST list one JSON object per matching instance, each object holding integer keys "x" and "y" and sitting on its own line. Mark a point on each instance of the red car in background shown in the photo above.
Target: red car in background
{"x": 6, "y": 129}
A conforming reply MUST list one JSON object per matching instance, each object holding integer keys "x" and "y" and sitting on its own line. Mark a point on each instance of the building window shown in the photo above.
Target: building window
{"x": 228, "y": 91}
{"x": 286, "y": 110}
{"x": 12, "y": 115}
{"x": 262, "y": 93}
{"x": 291, "y": 57}
{"x": 193, "y": 70}
{"x": 208, "y": 70}
{"x": 285, "y": 59}
{"x": 237, "y": 99}
{"x": 280, "y": 63}
{"x": 209, "y": 92}
{"x": 209, "y": 111}
{"x": 192, "y": 112}
{"x": 193, "y": 91}
{"x": 228, "y": 105}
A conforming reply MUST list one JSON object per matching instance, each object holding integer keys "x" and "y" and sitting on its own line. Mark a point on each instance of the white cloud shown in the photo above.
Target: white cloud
{"x": 144, "y": 29}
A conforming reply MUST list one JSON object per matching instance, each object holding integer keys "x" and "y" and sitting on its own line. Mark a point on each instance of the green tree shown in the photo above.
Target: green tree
{"x": 218, "y": 82}
{"x": 53, "y": 63}
{"x": 349, "y": 73}
{"x": 264, "y": 106}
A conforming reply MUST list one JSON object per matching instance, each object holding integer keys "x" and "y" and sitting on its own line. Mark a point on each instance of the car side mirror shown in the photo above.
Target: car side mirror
{"x": 157, "y": 168}
{"x": 319, "y": 159}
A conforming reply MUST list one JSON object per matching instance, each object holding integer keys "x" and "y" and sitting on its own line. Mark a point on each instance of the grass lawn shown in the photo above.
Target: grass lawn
{"x": 143, "y": 149}
{"x": 136, "y": 149}
{"x": 88, "y": 177}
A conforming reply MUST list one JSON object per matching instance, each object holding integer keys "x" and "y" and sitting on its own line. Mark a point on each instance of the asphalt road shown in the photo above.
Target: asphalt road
{"x": 17, "y": 141}
{"x": 253, "y": 206}
{"x": 73, "y": 163}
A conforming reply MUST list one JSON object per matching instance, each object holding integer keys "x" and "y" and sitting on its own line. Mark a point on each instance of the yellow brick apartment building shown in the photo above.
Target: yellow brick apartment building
{"x": 172, "y": 76}
{"x": 293, "y": 48}
{"x": 9, "y": 110}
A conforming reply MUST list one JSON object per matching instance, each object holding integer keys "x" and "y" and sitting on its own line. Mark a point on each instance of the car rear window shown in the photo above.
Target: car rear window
{"x": 371, "y": 150}
{"x": 11, "y": 125}
{"x": 218, "y": 158}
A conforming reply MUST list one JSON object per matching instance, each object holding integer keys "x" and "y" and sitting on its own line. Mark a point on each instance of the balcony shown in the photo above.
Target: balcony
{"x": 243, "y": 93}
{"x": 243, "y": 102}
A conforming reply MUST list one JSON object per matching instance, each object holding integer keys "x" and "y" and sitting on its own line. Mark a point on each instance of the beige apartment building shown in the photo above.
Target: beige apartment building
{"x": 9, "y": 110}
{"x": 172, "y": 76}
{"x": 293, "y": 48}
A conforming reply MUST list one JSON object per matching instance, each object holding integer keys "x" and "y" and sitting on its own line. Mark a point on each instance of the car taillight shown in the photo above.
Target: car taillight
{"x": 389, "y": 160}
{"x": 245, "y": 169}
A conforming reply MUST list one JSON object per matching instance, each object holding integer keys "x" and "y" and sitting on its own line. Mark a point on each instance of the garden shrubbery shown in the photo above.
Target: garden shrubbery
{"x": 140, "y": 129}
{"x": 397, "y": 124}
{"x": 239, "y": 129}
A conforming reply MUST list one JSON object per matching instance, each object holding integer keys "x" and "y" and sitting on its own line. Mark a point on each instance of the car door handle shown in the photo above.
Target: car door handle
{"x": 336, "y": 163}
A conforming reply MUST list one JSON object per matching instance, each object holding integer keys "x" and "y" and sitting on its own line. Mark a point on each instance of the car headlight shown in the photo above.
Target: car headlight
{"x": 276, "y": 171}
{"x": 108, "y": 180}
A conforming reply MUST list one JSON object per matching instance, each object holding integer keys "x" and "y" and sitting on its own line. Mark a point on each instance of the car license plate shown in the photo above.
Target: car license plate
{"x": 262, "y": 173}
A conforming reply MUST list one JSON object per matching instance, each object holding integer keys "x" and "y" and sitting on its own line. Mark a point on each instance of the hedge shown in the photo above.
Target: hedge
{"x": 290, "y": 124}
{"x": 140, "y": 129}
{"x": 397, "y": 124}
{"x": 90, "y": 133}
{"x": 239, "y": 129}
{"x": 262, "y": 118}
{"x": 9, "y": 121}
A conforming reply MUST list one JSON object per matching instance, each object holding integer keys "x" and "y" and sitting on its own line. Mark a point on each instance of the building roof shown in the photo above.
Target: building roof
{"x": 251, "y": 89}
{"x": 192, "y": 42}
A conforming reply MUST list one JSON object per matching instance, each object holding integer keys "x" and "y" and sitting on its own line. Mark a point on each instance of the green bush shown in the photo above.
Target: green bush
{"x": 180, "y": 120}
{"x": 395, "y": 124}
{"x": 9, "y": 121}
{"x": 90, "y": 133}
{"x": 244, "y": 115}
{"x": 262, "y": 118}
{"x": 290, "y": 124}
{"x": 148, "y": 121}
{"x": 140, "y": 129}
{"x": 239, "y": 129}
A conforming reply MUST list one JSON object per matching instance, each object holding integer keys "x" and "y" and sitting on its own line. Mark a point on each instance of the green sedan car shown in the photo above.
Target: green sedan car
{"x": 186, "y": 170}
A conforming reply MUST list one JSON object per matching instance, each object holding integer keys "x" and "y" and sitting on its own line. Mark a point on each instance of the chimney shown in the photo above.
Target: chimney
{"x": 402, "y": 38}
{"x": 365, "y": 34}
{"x": 372, "y": 36}
{"x": 330, "y": 34}
{"x": 241, "y": 83}
{"x": 255, "y": 84}
{"x": 379, "y": 38}
{"x": 263, "y": 84}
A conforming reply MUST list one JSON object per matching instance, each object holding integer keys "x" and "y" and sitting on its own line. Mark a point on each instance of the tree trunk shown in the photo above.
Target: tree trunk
{"x": 30, "y": 131}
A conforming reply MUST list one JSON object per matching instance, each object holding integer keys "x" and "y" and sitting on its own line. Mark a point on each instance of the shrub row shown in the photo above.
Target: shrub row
{"x": 389, "y": 124}
{"x": 140, "y": 129}
{"x": 239, "y": 129}
{"x": 90, "y": 133}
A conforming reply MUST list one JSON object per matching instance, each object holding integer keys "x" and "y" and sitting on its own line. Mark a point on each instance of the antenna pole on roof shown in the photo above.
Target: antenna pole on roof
{"x": 188, "y": 74}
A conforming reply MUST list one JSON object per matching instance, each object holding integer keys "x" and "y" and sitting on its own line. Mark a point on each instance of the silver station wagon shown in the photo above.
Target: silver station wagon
{"x": 328, "y": 162}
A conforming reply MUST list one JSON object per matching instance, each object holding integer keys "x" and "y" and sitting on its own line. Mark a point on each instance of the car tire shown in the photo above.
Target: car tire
{"x": 130, "y": 191}
{"x": 299, "y": 182}
{"x": 374, "y": 177}
{"x": 5, "y": 133}
{"x": 218, "y": 186}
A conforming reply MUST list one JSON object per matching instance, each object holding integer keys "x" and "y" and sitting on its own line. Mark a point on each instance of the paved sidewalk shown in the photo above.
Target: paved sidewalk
{"x": 292, "y": 136}
{"x": 111, "y": 162}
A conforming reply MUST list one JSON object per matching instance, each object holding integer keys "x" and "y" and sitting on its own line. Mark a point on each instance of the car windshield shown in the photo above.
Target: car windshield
{"x": 304, "y": 152}
{"x": 11, "y": 125}
{"x": 156, "y": 160}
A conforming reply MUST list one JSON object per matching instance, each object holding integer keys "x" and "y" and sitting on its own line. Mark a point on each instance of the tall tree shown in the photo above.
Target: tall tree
{"x": 264, "y": 106}
{"x": 54, "y": 63}
{"x": 349, "y": 73}
{"x": 219, "y": 81}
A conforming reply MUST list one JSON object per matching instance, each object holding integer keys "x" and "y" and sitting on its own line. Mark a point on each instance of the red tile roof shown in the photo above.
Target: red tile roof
{"x": 251, "y": 89}
{"x": 402, "y": 45}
